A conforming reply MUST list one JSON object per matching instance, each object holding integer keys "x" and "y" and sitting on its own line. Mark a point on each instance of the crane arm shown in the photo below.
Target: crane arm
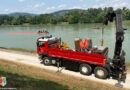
{"x": 119, "y": 31}
{"x": 119, "y": 67}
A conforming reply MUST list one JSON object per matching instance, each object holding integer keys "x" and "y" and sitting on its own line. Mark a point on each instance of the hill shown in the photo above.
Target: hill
{"x": 57, "y": 13}
{"x": 15, "y": 14}
{"x": 62, "y": 12}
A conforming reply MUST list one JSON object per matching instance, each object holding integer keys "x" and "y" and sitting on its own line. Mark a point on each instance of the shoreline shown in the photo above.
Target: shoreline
{"x": 61, "y": 23}
{"x": 31, "y": 25}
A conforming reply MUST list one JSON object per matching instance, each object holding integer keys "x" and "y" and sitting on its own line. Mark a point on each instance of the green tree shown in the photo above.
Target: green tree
{"x": 28, "y": 18}
{"x": 74, "y": 17}
{"x": 91, "y": 15}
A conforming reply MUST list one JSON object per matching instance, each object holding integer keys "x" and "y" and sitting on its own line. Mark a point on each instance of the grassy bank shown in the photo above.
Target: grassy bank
{"x": 25, "y": 77}
{"x": 60, "y": 23}
{"x": 126, "y": 21}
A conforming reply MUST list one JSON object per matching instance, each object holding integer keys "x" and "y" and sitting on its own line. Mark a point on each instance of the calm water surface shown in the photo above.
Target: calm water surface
{"x": 67, "y": 32}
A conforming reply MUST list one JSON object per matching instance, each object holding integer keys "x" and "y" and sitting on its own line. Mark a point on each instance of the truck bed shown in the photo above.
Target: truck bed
{"x": 91, "y": 58}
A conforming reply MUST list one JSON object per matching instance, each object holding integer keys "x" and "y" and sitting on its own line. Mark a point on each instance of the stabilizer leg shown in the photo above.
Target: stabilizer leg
{"x": 58, "y": 66}
{"x": 119, "y": 82}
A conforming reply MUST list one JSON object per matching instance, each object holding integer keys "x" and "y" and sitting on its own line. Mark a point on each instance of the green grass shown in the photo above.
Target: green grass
{"x": 22, "y": 81}
{"x": 126, "y": 21}
{"x": 127, "y": 64}
{"x": 16, "y": 80}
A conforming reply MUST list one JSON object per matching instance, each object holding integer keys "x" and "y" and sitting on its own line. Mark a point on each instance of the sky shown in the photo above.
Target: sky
{"x": 48, "y": 6}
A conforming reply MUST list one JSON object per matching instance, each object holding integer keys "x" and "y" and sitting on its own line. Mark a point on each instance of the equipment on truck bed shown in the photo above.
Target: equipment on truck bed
{"x": 84, "y": 57}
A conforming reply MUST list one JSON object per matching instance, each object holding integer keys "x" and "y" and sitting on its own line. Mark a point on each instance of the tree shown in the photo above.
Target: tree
{"x": 28, "y": 18}
{"x": 91, "y": 15}
{"x": 74, "y": 18}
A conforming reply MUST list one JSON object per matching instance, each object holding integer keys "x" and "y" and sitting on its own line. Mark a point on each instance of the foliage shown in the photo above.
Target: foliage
{"x": 91, "y": 15}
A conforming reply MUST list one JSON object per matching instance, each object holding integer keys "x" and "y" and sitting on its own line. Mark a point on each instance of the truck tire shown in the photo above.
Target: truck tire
{"x": 53, "y": 61}
{"x": 85, "y": 69}
{"x": 46, "y": 61}
{"x": 101, "y": 72}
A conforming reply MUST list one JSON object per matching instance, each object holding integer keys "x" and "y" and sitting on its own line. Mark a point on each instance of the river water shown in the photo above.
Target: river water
{"x": 67, "y": 33}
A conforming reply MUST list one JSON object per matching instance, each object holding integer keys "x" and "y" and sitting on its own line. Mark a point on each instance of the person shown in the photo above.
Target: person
{"x": 38, "y": 31}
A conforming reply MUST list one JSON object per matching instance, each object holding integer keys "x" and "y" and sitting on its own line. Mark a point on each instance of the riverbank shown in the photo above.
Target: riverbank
{"x": 25, "y": 77}
{"x": 61, "y": 23}
{"x": 126, "y": 21}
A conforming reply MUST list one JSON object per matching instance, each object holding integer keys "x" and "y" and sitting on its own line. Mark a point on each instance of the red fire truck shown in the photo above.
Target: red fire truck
{"x": 87, "y": 62}
{"x": 85, "y": 58}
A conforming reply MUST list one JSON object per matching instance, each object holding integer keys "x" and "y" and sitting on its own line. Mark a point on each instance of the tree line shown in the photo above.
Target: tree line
{"x": 91, "y": 15}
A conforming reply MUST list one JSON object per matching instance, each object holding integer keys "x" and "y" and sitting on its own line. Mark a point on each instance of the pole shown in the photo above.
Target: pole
{"x": 102, "y": 36}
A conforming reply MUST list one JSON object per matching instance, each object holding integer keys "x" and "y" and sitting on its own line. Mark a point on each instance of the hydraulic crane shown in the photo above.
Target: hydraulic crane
{"x": 118, "y": 61}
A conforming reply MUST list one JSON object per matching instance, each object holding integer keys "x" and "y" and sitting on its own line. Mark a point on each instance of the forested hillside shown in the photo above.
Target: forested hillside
{"x": 91, "y": 15}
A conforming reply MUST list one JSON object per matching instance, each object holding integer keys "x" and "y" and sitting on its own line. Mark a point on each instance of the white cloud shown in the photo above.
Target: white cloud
{"x": 10, "y": 11}
{"x": 14, "y": 10}
{"x": 98, "y": 0}
{"x": 51, "y": 8}
{"x": 39, "y": 5}
{"x": 76, "y": 7}
{"x": 62, "y": 6}
{"x": 115, "y": 4}
{"x": 6, "y": 10}
{"x": 81, "y": 0}
{"x": 116, "y": 0}
{"x": 36, "y": 8}
{"x": 21, "y": 0}
{"x": 119, "y": 5}
{"x": 108, "y": 0}
{"x": 99, "y": 6}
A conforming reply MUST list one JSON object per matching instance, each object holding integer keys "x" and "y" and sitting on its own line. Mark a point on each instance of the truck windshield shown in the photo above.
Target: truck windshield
{"x": 41, "y": 44}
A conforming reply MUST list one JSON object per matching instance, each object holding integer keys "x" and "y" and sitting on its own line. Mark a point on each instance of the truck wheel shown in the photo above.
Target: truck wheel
{"x": 85, "y": 69}
{"x": 101, "y": 72}
{"x": 53, "y": 61}
{"x": 46, "y": 61}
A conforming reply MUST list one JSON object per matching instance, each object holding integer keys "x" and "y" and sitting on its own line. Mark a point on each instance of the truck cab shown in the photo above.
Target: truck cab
{"x": 44, "y": 42}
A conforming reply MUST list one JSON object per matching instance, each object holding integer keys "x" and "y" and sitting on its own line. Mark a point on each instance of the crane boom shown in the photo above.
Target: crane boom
{"x": 119, "y": 34}
{"x": 119, "y": 30}
{"x": 118, "y": 66}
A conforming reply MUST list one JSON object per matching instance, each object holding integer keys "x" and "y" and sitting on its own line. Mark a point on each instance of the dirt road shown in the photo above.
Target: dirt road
{"x": 31, "y": 59}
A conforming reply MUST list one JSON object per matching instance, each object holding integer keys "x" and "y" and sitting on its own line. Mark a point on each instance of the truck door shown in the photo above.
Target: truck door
{"x": 42, "y": 47}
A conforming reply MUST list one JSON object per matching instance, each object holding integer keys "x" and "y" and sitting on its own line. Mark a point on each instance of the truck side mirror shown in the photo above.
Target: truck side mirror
{"x": 37, "y": 43}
